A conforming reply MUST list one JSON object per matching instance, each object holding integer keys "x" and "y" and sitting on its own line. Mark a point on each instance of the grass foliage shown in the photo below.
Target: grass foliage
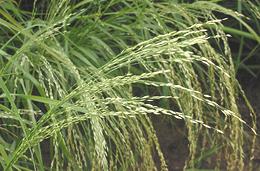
{"x": 246, "y": 44}
{"x": 85, "y": 78}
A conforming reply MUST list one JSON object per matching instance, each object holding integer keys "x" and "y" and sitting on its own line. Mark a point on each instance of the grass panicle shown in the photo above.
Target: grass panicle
{"x": 85, "y": 78}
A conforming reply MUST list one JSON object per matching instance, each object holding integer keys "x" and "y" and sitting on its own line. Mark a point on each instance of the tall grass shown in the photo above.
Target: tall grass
{"x": 246, "y": 45}
{"x": 84, "y": 77}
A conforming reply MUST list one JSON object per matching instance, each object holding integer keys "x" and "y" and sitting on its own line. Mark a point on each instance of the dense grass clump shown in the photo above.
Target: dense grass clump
{"x": 83, "y": 78}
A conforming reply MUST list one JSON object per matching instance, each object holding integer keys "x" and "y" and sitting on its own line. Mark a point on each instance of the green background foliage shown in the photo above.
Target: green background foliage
{"x": 82, "y": 79}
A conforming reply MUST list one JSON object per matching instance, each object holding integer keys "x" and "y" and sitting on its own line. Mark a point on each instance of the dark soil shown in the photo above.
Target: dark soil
{"x": 173, "y": 140}
{"x": 251, "y": 86}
